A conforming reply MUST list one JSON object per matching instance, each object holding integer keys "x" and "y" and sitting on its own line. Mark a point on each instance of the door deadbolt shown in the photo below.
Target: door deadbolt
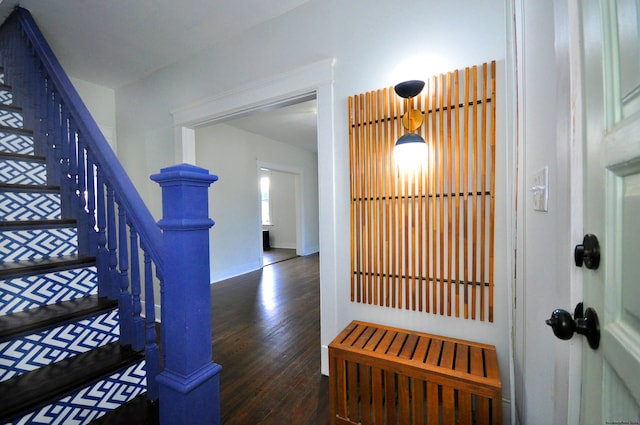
{"x": 588, "y": 253}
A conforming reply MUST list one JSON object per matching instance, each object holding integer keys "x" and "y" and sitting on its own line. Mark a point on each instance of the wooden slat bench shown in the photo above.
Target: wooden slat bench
{"x": 384, "y": 375}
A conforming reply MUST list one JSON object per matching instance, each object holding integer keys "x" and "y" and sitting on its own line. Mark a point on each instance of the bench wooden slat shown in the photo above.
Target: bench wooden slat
{"x": 448, "y": 351}
{"x": 352, "y": 388}
{"x": 465, "y": 407}
{"x": 433, "y": 399}
{"x": 404, "y": 409}
{"x": 433, "y": 357}
{"x": 448, "y": 406}
{"x": 462, "y": 358}
{"x": 397, "y": 344}
{"x": 384, "y": 344}
{"x": 364, "y": 337}
{"x": 377, "y": 395}
{"x": 409, "y": 346}
{"x": 375, "y": 339}
{"x": 353, "y": 335}
{"x": 390, "y": 394}
{"x": 420, "y": 354}
{"x": 365, "y": 393}
{"x": 417, "y": 395}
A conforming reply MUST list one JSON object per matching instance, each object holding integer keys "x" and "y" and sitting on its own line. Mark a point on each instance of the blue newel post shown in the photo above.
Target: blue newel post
{"x": 189, "y": 386}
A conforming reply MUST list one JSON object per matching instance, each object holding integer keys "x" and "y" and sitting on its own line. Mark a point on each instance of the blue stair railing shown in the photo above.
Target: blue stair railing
{"x": 114, "y": 224}
{"x": 116, "y": 227}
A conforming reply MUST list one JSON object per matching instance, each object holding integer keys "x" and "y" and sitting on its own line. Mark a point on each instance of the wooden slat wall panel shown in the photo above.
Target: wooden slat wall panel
{"x": 424, "y": 239}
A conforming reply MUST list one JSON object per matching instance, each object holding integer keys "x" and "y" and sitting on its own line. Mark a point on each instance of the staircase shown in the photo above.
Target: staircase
{"x": 60, "y": 356}
{"x": 81, "y": 260}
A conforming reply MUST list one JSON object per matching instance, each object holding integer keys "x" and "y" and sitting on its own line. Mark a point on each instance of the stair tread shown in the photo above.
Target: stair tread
{"x": 51, "y": 315}
{"x": 26, "y": 392}
{"x": 10, "y": 108}
{"x": 40, "y": 265}
{"x": 138, "y": 411}
{"x": 30, "y": 224}
{"x": 22, "y": 157}
{"x": 15, "y": 130}
{"x": 29, "y": 188}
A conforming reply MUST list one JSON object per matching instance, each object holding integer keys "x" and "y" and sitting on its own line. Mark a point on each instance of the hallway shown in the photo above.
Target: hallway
{"x": 266, "y": 336}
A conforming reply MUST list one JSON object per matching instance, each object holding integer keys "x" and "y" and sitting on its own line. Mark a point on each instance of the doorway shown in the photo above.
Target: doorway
{"x": 279, "y": 213}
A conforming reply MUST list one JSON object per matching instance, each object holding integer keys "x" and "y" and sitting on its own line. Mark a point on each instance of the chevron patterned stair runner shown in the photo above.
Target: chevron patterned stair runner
{"x": 60, "y": 360}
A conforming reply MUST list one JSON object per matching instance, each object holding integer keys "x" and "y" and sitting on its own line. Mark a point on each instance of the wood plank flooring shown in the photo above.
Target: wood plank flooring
{"x": 275, "y": 255}
{"x": 266, "y": 336}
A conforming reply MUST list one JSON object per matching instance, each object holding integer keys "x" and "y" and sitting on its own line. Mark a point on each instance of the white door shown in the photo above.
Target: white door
{"x": 611, "y": 189}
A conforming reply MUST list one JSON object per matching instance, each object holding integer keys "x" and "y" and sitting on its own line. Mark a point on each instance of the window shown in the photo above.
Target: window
{"x": 264, "y": 191}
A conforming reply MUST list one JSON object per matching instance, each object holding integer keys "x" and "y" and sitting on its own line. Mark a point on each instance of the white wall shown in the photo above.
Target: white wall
{"x": 101, "y": 102}
{"x": 236, "y": 156}
{"x": 369, "y": 41}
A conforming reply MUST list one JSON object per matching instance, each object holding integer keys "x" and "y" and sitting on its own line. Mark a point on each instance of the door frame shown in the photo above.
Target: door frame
{"x": 315, "y": 79}
{"x": 565, "y": 357}
{"x": 298, "y": 178}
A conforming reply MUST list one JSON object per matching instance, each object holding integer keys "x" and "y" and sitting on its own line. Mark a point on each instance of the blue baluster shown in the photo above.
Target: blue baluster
{"x": 91, "y": 205}
{"x": 102, "y": 256}
{"x": 189, "y": 383}
{"x": 125, "y": 304}
{"x": 112, "y": 238}
{"x": 80, "y": 195}
{"x": 138, "y": 324}
{"x": 152, "y": 356}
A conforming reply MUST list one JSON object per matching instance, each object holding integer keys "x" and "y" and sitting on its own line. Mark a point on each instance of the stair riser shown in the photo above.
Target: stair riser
{"x": 24, "y": 293}
{"x": 35, "y": 244}
{"x": 30, "y": 352}
{"x": 6, "y": 97}
{"x": 93, "y": 401}
{"x": 23, "y": 172}
{"x": 11, "y": 119}
{"x": 16, "y": 143}
{"x": 18, "y": 206}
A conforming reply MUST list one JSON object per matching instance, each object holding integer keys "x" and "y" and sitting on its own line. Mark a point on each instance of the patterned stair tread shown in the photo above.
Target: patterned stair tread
{"x": 48, "y": 316}
{"x": 41, "y": 265}
{"x": 40, "y": 387}
{"x": 139, "y": 411}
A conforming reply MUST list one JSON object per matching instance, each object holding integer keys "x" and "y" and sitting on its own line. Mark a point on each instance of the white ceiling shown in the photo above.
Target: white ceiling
{"x": 295, "y": 124}
{"x": 116, "y": 42}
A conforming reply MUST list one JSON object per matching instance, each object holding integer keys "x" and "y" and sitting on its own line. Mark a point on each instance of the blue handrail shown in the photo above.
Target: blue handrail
{"x": 112, "y": 219}
{"x": 137, "y": 210}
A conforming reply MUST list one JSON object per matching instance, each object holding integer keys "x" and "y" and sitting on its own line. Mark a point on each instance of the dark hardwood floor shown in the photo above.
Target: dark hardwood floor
{"x": 275, "y": 255}
{"x": 266, "y": 336}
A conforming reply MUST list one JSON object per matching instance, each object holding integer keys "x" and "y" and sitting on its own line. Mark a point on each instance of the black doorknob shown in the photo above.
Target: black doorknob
{"x": 588, "y": 253}
{"x": 587, "y": 324}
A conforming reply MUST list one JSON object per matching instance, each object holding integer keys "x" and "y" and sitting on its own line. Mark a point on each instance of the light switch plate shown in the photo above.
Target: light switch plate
{"x": 540, "y": 190}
